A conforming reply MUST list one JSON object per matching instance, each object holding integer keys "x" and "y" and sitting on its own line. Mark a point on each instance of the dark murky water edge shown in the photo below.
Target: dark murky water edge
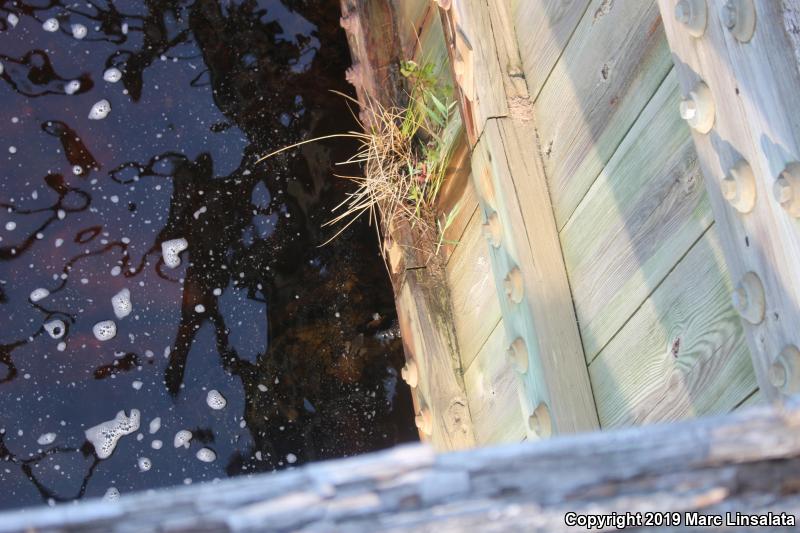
{"x": 287, "y": 332}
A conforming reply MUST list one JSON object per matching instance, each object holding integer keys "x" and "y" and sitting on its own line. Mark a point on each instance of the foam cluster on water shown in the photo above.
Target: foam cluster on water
{"x": 46, "y": 438}
{"x": 71, "y": 87}
{"x": 206, "y": 455}
{"x": 216, "y": 400}
{"x": 171, "y": 251}
{"x": 112, "y": 75}
{"x": 105, "y": 330}
{"x": 100, "y": 110}
{"x": 39, "y": 294}
{"x": 50, "y": 25}
{"x": 55, "y": 328}
{"x": 104, "y": 436}
{"x": 182, "y": 438}
{"x": 145, "y": 464}
{"x": 112, "y": 494}
{"x": 121, "y": 302}
{"x": 13, "y": 20}
{"x": 79, "y": 31}
{"x": 155, "y": 425}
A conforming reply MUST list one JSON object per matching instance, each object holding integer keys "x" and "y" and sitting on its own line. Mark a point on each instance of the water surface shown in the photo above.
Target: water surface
{"x": 296, "y": 338}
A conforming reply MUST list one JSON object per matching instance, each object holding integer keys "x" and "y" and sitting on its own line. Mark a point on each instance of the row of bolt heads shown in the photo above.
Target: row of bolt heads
{"x": 739, "y": 186}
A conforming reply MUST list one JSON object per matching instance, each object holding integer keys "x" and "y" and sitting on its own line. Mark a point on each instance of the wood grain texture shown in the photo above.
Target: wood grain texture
{"x": 457, "y": 194}
{"x": 754, "y": 87}
{"x": 682, "y": 354}
{"x": 641, "y": 215}
{"x": 753, "y": 400}
{"x": 492, "y": 384}
{"x": 614, "y": 62}
{"x": 510, "y": 181}
{"x": 476, "y": 310}
{"x": 748, "y": 462}
{"x": 426, "y": 327}
{"x": 543, "y": 29}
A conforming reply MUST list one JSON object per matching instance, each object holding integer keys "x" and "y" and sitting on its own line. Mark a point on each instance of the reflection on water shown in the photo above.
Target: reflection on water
{"x": 129, "y": 131}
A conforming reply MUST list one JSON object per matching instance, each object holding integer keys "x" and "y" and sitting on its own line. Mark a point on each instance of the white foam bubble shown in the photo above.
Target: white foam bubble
{"x": 145, "y": 464}
{"x": 55, "y": 328}
{"x": 13, "y": 20}
{"x": 105, "y": 330}
{"x": 2, "y": 68}
{"x": 155, "y": 424}
{"x": 77, "y": 170}
{"x": 124, "y": 28}
{"x": 61, "y": 346}
{"x": 215, "y": 400}
{"x": 156, "y": 444}
{"x": 71, "y": 87}
{"x": 262, "y": 387}
{"x": 104, "y": 436}
{"x": 121, "y": 302}
{"x": 112, "y": 75}
{"x": 182, "y": 438}
{"x": 46, "y": 438}
{"x": 137, "y": 384}
{"x": 79, "y": 31}
{"x": 100, "y": 110}
{"x": 39, "y": 294}
{"x": 291, "y": 458}
{"x": 200, "y": 308}
{"x": 217, "y": 291}
{"x": 206, "y": 455}
{"x": 50, "y": 25}
{"x": 112, "y": 494}
{"x": 11, "y": 225}
{"x": 59, "y": 242}
{"x": 171, "y": 251}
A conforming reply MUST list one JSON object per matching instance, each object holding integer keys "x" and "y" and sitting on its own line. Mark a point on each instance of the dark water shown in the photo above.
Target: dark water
{"x": 289, "y": 333}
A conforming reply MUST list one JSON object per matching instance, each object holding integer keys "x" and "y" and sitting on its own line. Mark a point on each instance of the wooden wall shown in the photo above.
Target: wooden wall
{"x": 649, "y": 282}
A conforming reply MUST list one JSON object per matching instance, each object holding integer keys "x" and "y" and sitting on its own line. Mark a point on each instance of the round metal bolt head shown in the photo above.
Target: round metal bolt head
{"x": 739, "y": 16}
{"x": 748, "y": 298}
{"x": 784, "y": 373}
{"x": 424, "y": 421}
{"x": 514, "y": 285}
{"x": 540, "y": 423}
{"x": 410, "y": 374}
{"x": 739, "y": 187}
{"x": 693, "y": 14}
{"x": 518, "y": 355}
{"x": 698, "y": 109}
{"x": 493, "y": 230}
{"x": 786, "y": 189}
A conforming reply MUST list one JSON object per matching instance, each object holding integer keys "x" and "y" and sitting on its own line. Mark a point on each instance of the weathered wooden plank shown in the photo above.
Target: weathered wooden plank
{"x": 457, "y": 194}
{"x": 491, "y": 384}
{"x": 682, "y": 354}
{"x": 753, "y": 400}
{"x": 753, "y": 86}
{"x": 641, "y": 215}
{"x": 614, "y": 62}
{"x": 543, "y": 29}
{"x": 426, "y": 327}
{"x": 747, "y": 462}
{"x": 413, "y": 16}
{"x": 476, "y": 310}
{"x": 532, "y": 286}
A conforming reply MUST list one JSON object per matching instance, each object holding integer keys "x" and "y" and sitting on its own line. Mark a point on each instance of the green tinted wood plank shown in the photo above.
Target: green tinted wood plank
{"x": 682, "y": 354}
{"x": 491, "y": 384}
{"x": 614, "y": 62}
{"x": 641, "y": 215}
